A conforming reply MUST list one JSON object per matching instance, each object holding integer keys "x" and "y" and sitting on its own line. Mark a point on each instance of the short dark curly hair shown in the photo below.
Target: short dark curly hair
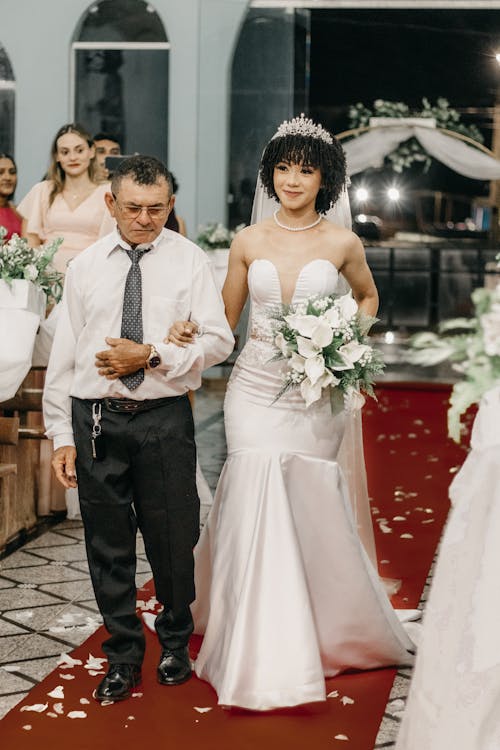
{"x": 329, "y": 158}
{"x": 145, "y": 170}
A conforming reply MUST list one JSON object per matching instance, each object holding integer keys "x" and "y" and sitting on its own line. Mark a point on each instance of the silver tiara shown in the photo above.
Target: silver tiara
{"x": 303, "y": 126}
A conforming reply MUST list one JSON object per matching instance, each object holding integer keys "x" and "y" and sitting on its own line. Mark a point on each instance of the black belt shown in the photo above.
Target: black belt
{"x": 128, "y": 405}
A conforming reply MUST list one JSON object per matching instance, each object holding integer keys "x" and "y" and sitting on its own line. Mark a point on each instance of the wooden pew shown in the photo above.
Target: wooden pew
{"x": 9, "y": 432}
{"x": 19, "y": 516}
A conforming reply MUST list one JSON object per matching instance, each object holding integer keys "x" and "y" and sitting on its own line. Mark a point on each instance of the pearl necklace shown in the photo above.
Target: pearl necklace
{"x": 295, "y": 229}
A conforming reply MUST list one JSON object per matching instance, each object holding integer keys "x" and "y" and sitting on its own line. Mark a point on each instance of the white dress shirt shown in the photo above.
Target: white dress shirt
{"x": 177, "y": 284}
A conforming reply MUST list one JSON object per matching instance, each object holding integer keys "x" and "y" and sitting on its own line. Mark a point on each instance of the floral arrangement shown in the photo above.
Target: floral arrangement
{"x": 473, "y": 346}
{"x": 411, "y": 151}
{"x": 216, "y": 236}
{"x": 323, "y": 340}
{"x": 20, "y": 261}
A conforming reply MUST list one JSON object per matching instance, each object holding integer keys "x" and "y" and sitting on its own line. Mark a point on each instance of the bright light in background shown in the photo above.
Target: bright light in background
{"x": 389, "y": 337}
{"x": 393, "y": 194}
{"x": 497, "y": 57}
{"x": 361, "y": 218}
{"x": 362, "y": 194}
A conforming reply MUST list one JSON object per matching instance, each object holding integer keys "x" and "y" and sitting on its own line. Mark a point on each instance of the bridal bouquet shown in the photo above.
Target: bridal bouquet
{"x": 20, "y": 261}
{"x": 473, "y": 346}
{"x": 324, "y": 343}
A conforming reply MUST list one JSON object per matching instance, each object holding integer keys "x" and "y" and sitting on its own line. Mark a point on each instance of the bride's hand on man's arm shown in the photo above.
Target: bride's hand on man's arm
{"x": 181, "y": 333}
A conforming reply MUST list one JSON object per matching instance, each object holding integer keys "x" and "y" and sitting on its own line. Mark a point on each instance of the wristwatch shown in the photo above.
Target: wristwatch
{"x": 154, "y": 358}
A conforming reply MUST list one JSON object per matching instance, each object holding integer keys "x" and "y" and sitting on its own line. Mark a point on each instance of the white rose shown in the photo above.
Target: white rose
{"x": 31, "y": 272}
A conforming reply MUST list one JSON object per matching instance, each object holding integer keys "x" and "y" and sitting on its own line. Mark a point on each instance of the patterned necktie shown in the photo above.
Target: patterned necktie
{"x": 132, "y": 311}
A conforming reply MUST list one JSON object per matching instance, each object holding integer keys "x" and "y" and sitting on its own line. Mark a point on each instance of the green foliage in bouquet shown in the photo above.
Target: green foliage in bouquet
{"x": 215, "y": 236}
{"x": 324, "y": 341}
{"x": 20, "y": 261}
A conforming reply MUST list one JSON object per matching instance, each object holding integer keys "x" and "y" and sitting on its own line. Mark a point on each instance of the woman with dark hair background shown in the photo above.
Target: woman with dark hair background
{"x": 9, "y": 217}
{"x": 174, "y": 222}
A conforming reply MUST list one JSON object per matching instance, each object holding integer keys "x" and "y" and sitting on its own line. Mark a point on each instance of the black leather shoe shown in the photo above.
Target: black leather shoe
{"x": 174, "y": 667}
{"x": 119, "y": 682}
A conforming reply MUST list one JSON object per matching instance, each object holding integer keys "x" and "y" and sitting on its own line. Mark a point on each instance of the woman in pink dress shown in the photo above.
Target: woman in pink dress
{"x": 9, "y": 217}
{"x": 70, "y": 202}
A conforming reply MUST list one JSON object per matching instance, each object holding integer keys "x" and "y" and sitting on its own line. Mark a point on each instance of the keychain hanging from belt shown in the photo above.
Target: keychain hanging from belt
{"x": 97, "y": 439}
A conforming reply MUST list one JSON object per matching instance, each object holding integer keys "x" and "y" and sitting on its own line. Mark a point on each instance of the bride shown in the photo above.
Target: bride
{"x": 286, "y": 594}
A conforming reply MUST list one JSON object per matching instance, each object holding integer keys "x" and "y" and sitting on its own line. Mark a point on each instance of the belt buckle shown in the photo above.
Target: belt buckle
{"x": 131, "y": 405}
{"x": 118, "y": 405}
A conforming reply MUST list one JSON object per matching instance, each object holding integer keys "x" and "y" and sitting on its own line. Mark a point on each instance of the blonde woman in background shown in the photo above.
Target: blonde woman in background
{"x": 68, "y": 204}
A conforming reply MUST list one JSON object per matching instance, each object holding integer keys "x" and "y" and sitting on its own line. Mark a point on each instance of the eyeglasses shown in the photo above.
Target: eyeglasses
{"x": 130, "y": 211}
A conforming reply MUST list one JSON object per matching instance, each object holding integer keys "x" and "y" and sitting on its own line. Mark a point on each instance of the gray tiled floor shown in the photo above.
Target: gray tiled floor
{"x": 46, "y": 600}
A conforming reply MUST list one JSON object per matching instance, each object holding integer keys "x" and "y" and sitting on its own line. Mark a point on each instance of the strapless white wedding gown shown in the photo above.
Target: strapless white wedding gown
{"x": 286, "y": 594}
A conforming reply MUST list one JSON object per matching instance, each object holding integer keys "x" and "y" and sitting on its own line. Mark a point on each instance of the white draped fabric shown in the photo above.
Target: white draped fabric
{"x": 17, "y": 336}
{"x": 455, "y": 694}
{"x": 22, "y": 305}
{"x": 370, "y": 149}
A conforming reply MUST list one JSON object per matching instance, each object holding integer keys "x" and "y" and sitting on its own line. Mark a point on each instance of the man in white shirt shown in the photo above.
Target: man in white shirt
{"x": 118, "y": 393}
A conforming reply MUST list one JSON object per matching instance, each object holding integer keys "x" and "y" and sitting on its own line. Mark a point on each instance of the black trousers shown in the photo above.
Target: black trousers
{"x": 147, "y": 479}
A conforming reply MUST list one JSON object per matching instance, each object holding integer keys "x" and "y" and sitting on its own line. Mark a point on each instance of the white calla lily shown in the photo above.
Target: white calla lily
{"x": 310, "y": 392}
{"x": 328, "y": 378}
{"x": 345, "y": 365}
{"x": 281, "y": 344}
{"x": 348, "y": 306}
{"x": 353, "y": 399}
{"x": 297, "y": 362}
{"x": 352, "y": 352}
{"x": 323, "y": 333}
{"x": 307, "y": 348}
{"x": 304, "y": 324}
{"x": 314, "y": 368}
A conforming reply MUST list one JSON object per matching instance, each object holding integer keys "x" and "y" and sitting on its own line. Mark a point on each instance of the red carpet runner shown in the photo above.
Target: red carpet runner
{"x": 409, "y": 461}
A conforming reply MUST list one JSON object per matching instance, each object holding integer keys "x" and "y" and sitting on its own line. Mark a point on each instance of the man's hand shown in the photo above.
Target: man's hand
{"x": 63, "y": 463}
{"x": 124, "y": 357}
